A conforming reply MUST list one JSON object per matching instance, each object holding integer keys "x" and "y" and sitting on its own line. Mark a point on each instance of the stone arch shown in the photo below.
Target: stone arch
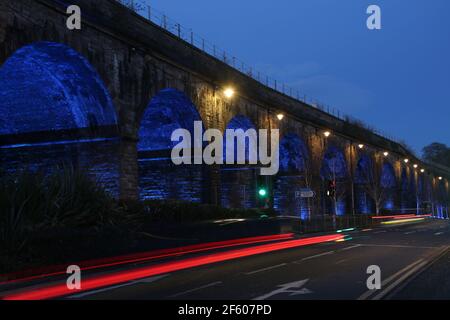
{"x": 68, "y": 94}
{"x": 292, "y": 177}
{"x": 364, "y": 180}
{"x": 159, "y": 178}
{"x": 55, "y": 109}
{"x": 421, "y": 200}
{"x": 389, "y": 185}
{"x": 404, "y": 190}
{"x": 334, "y": 168}
{"x": 441, "y": 203}
{"x": 239, "y": 182}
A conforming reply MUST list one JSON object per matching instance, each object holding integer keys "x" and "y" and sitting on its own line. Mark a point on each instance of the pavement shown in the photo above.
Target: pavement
{"x": 405, "y": 254}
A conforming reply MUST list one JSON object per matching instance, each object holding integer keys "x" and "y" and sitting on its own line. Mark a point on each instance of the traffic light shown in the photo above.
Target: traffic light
{"x": 331, "y": 188}
{"x": 263, "y": 193}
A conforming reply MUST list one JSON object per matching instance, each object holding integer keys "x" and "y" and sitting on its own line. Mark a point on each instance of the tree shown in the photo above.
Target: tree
{"x": 135, "y": 5}
{"x": 438, "y": 153}
{"x": 373, "y": 185}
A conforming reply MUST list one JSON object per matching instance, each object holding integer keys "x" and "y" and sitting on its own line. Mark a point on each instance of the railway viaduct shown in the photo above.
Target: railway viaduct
{"x": 127, "y": 81}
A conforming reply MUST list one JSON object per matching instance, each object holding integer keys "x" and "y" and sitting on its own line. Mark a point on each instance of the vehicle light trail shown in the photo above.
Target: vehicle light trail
{"x": 402, "y": 221}
{"x": 404, "y": 216}
{"x": 141, "y": 257}
{"x": 59, "y": 290}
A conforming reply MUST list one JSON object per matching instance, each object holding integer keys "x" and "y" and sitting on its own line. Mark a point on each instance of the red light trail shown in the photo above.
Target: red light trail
{"x": 59, "y": 290}
{"x": 140, "y": 257}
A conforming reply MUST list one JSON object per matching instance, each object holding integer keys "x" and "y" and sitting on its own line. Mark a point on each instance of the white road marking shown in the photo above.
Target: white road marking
{"x": 368, "y": 293}
{"x": 438, "y": 233}
{"x": 288, "y": 288}
{"x": 396, "y": 246}
{"x": 341, "y": 261}
{"x": 315, "y": 256}
{"x": 410, "y": 232}
{"x": 399, "y": 280}
{"x": 351, "y": 247}
{"x": 146, "y": 280}
{"x": 196, "y": 289}
{"x": 266, "y": 269}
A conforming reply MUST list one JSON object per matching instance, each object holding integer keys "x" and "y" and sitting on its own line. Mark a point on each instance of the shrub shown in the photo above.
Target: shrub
{"x": 65, "y": 198}
{"x": 184, "y": 212}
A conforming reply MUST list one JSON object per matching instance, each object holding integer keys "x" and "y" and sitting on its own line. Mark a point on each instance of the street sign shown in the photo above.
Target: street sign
{"x": 305, "y": 193}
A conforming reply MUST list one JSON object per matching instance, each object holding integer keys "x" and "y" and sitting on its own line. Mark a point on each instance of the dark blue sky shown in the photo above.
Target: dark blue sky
{"x": 396, "y": 79}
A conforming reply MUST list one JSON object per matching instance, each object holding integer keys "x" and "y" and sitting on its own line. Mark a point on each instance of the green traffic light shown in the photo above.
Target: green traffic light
{"x": 262, "y": 192}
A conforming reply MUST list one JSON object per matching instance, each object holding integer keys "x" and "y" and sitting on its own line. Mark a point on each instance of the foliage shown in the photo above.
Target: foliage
{"x": 33, "y": 204}
{"x": 437, "y": 153}
{"x": 186, "y": 212}
{"x": 135, "y": 5}
{"x": 35, "y": 201}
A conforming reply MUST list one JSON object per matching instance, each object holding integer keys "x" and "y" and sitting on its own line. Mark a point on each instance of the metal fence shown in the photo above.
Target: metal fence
{"x": 194, "y": 39}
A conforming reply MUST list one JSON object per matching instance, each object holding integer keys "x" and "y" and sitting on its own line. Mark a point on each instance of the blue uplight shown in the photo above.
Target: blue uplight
{"x": 48, "y": 86}
{"x": 169, "y": 110}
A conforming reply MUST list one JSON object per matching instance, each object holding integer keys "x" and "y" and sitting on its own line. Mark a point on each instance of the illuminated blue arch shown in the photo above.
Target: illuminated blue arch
{"x": 363, "y": 177}
{"x": 364, "y": 173}
{"x": 388, "y": 183}
{"x": 48, "y": 86}
{"x": 333, "y": 164}
{"x": 169, "y": 110}
{"x": 239, "y": 122}
{"x": 405, "y": 195}
{"x": 334, "y": 167}
{"x": 290, "y": 180}
{"x": 388, "y": 176}
{"x": 293, "y": 154}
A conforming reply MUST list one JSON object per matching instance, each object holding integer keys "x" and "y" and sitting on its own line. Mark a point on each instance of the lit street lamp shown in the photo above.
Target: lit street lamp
{"x": 229, "y": 93}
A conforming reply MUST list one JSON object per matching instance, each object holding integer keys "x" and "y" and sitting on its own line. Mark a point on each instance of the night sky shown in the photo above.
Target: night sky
{"x": 396, "y": 79}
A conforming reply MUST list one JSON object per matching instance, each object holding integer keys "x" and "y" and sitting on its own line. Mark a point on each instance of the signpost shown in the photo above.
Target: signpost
{"x": 305, "y": 193}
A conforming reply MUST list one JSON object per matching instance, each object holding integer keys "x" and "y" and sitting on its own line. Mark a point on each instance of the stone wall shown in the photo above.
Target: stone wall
{"x": 136, "y": 59}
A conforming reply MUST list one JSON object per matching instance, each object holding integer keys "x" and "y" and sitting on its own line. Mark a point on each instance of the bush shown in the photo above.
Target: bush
{"x": 185, "y": 212}
{"x": 66, "y": 198}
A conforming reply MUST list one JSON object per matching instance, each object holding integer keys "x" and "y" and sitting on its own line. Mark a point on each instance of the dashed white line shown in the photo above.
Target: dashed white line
{"x": 146, "y": 280}
{"x": 438, "y": 233}
{"x": 396, "y": 246}
{"x": 266, "y": 269}
{"x": 410, "y": 232}
{"x": 315, "y": 256}
{"x": 351, "y": 247}
{"x": 196, "y": 289}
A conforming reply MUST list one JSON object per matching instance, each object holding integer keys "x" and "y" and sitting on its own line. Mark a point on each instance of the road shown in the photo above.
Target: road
{"x": 332, "y": 270}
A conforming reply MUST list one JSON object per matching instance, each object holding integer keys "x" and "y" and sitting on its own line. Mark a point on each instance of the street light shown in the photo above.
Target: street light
{"x": 406, "y": 160}
{"x": 280, "y": 116}
{"x": 385, "y": 153}
{"x": 327, "y": 134}
{"x": 360, "y": 146}
{"x": 229, "y": 93}
{"x": 422, "y": 170}
{"x": 440, "y": 178}
{"x": 415, "y": 166}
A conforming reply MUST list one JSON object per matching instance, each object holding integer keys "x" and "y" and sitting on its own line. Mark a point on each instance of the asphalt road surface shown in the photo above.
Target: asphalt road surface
{"x": 335, "y": 270}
